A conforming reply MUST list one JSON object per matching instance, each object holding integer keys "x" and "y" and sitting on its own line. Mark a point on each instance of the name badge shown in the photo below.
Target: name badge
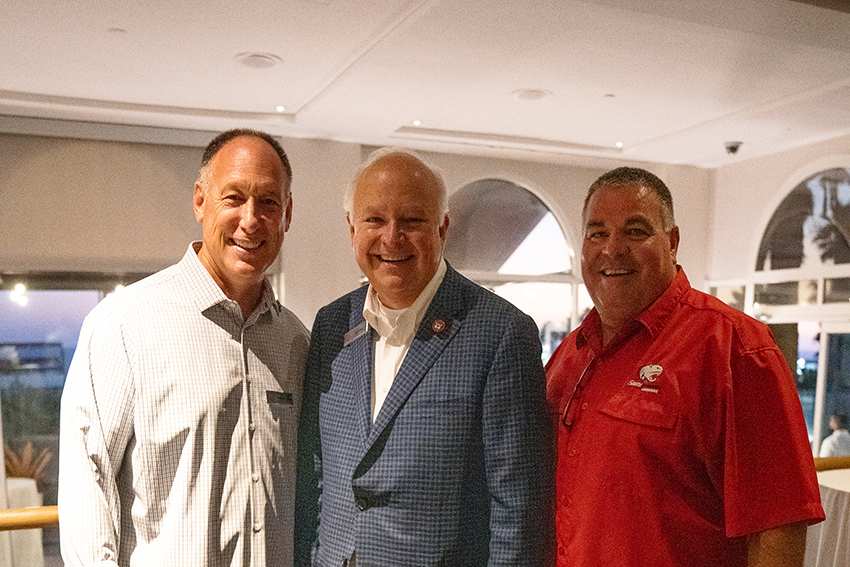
{"x": 284, "y": 398}
{"x": 354, "y": 334}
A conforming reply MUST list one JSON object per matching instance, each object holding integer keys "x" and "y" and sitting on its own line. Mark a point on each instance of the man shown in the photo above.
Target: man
{"x": 837, "y": 444}
{"x": 424, "y": 437}
{"x": 681, "y": 439}
{"x": 179, "y": 414}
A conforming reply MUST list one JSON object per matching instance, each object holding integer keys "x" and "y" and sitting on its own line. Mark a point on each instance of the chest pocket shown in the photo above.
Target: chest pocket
{"x": 655, "y": 405}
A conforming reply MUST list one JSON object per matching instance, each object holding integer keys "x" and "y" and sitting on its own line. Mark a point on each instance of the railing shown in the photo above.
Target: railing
{"x": 830, "y": 463}
{"x": 45, "y": 516}
{"x": 29, "y": 518}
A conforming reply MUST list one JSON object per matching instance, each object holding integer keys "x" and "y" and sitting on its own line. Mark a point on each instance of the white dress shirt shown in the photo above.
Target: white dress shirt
{"x": 178, "y": 428}
{"x": 396, "y": 329}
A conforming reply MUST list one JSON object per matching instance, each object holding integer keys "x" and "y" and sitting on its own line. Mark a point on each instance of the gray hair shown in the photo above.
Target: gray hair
{"x": 348, "y": 196}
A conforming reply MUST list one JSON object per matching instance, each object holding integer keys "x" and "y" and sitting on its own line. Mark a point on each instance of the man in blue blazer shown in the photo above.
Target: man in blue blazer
{"x": 424, "y": 436}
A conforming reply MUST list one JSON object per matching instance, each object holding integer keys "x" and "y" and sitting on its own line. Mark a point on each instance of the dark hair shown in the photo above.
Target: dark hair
{"x": 219, "y": 141}
{"x": 840, "y": 420}
{"x": 635, "y": 176}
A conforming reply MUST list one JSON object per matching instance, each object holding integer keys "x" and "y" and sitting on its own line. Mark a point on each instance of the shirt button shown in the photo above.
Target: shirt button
{"x": 584, "y": 406}
{"x": 251, "y": 427}
{"x": 258, "y": 527}
{"x": 255, "y": 477}
{"x": 572, "y": 453}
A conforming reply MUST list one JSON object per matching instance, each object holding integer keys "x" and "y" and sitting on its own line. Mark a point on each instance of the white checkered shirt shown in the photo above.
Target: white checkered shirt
{"x": 178, "y": 429}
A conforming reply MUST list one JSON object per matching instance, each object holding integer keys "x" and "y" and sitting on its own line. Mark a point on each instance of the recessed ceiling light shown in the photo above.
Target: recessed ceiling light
{"x": 619, "y": 144}
{"x": 280, "y": 108}
{"x": 417, "y": 123}
{"x": 530, "y": 94}
{"x": 259, "y": 60}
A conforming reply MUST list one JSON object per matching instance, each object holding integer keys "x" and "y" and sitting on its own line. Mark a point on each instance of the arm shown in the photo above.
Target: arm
{"x": 519, "y": 452}
{"x": 96, "y": 426}
{"x": 784, "y": 546}
{"x": 308, "y": 488}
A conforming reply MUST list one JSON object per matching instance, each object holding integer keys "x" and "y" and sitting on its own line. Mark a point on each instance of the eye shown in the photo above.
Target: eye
{"x": 596, "y": 235}
{"x": 637, "y": 233}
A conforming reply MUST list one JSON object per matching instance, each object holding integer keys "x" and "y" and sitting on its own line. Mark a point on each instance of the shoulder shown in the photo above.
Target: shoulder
{"x": 292, "y": 325}
{"x": 347, "y": 303}
{"x": 338, "y": 313}
{"x": 475, "y": 299}
{"x": 136, "y": 297}
{"x": 709, "y": 313}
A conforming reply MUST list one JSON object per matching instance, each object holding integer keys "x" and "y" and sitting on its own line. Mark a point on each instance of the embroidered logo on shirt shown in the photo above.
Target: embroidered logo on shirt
{"x": 648, "y": 375}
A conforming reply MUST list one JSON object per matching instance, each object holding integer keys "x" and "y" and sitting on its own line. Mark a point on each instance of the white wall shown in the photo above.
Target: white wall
{"x": 747, "y": 193}
{"x": 70, "y": 204}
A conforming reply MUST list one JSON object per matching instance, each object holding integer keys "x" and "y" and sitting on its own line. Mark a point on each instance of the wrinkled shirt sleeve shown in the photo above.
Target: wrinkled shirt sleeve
{"x": 96, "y": 432}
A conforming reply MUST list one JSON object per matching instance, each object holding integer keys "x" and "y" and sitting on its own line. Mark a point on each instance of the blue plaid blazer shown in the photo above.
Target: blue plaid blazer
{"x": 457, "y": 469}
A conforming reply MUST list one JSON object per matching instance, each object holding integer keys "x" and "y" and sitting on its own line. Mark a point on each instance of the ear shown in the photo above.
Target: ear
{"x": 444, "y": 228}
{"x": 287, "y": 217}
{"x": 198, "y": 202}
{"x": 673, "y": 235}
{"x": 350, "y": 227}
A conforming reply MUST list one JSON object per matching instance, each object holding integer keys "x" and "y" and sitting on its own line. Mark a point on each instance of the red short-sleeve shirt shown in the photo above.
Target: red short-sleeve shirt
{"x": 676, "y": 440}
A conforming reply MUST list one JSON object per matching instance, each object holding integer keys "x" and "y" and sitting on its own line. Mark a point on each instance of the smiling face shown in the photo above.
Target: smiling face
{"x": 245, "y": 208}
{"x": 628, "y": 259}
{"x": 397, "y": 229}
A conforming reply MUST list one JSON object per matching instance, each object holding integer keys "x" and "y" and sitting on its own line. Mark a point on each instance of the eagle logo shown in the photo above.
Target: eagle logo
{"x": 650, "y": 372}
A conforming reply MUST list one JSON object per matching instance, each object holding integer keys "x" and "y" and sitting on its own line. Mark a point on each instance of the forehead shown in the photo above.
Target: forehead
{"x": 622, "y": 204}
{"x": 249, "y": 159}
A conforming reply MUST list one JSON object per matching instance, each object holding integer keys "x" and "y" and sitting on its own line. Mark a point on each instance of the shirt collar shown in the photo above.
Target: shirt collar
{"x": 401, "y": 324}
{"x": 206, "y": 292}
{"x": 653, "y": 318}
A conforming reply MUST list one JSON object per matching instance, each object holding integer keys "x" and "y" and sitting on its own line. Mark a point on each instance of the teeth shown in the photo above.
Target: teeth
{"x": 247, "y": 244}
{"x": 616, "y": 272}
{"x": 391, "y": 259}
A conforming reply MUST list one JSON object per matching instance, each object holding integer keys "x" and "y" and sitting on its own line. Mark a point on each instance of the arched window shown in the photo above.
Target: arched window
{"x": 505, "y": 238}
{"x": 801, "y": 289}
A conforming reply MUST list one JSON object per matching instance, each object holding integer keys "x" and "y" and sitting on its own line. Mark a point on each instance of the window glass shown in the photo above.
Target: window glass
{"x": 505, "y": 238}
{"x": 37, "y": 340}
{"x": 733, "y": 296}
{"x": 836, "y": 290}
{"x": 810, "y": 227}
{"x": 803, "y": 292}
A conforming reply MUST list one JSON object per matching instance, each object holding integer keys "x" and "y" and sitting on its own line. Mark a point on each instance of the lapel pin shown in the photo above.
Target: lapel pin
{"x": 438, "y": 326}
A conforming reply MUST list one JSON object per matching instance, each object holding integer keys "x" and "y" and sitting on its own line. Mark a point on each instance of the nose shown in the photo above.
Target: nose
{"x": 393, "y": 234}
{"x": 616, "y": 245}
{"x": 249, "y": 221}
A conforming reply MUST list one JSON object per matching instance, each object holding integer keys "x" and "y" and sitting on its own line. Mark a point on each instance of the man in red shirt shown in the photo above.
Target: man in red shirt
{"x": 681, "y": 439}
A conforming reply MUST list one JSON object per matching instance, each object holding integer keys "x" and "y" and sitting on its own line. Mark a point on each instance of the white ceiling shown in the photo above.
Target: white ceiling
{"x": 672, "y": 80}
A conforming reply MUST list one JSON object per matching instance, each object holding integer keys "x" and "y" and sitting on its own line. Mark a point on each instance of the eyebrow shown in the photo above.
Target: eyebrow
{"x": 637, "y": 219}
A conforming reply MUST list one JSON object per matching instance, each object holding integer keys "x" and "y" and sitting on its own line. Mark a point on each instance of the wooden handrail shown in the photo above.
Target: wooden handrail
{"x": 830, "y": 463}
{"x": 29, "y": 518}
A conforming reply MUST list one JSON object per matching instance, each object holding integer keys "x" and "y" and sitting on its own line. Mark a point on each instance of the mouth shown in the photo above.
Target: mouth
{"x": 246, "y": 244}
{"x": 616, "y": 272}
{"x": 393, "y": 259}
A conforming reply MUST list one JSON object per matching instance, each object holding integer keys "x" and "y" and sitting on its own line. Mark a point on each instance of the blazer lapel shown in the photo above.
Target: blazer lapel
{"x": 358, "y": 343}
{"x": 438, "y": 328}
